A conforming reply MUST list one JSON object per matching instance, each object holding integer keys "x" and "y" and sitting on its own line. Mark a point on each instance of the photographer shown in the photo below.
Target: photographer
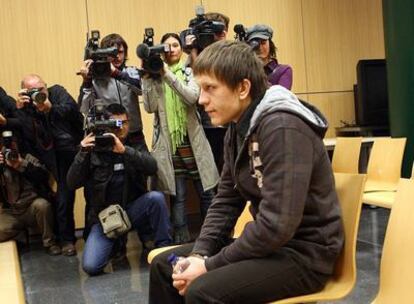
{"x": 179, "y": 144}
{"x": 280, "y": 74}
{"x": 51, "y": 128}
{"x": 122, "y": 86}
{"x": 214, "y": 134}
{"x": 24, "y": 198}
{"x": 117, "y": 176}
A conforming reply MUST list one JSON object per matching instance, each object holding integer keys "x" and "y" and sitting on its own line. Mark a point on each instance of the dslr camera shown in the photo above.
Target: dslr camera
{"x": 9, "y": 149}
{"x": 150, "y": 54}
{"x": 99, "y": 123}
{"x": 36, "y": 95}
{"x": 203, "y": 31}
{"x": 101, "y": 66}
{"x": 241, "y": 35}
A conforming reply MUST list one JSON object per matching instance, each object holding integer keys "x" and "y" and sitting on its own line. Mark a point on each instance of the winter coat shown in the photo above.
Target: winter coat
{"x": 154, "y": 102}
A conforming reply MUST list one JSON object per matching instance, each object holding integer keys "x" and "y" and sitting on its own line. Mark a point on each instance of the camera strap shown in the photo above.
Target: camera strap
{"x": 119, "y": 93}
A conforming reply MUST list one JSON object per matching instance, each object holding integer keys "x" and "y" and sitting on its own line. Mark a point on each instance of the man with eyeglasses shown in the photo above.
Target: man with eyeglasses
{"x": 51, "y": 128}
{"x": 118, "y": 177}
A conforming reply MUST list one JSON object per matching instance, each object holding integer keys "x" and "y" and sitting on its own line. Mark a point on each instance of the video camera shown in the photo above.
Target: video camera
{"x": 99, "y": 123}
{"x": 36, "y": 95}
{"x": 203, "y": 31}
{"x": 151, "y": 54}
{"x": 101, "y": 66}
{"x": 9, "y": 149}
{"x": 241, "y": 35}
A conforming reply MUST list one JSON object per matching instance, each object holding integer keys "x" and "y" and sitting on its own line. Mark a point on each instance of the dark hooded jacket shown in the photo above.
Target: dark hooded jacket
{"x": 295, "y": 205}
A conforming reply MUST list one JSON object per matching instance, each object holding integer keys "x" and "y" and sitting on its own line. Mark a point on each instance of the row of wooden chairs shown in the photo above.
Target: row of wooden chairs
{"x": 384, "y": 166}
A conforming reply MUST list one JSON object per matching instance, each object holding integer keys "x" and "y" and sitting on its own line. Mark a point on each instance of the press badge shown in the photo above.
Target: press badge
{"x": 118, "y": 167}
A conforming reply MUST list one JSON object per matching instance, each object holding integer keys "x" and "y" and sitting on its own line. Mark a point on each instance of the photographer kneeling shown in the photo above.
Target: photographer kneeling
{"x": 117, "y": 176}
{"x": 24, "y": 197}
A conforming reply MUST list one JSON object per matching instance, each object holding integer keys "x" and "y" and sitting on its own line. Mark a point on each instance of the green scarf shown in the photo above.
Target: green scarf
{"x": 176, "y": 109}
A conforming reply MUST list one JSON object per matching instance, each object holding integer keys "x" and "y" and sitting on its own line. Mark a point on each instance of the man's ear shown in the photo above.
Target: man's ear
{"x": 244, "y": 88}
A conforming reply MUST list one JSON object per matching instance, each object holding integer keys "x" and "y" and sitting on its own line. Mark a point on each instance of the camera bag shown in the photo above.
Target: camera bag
{"x": 114, "y": 221}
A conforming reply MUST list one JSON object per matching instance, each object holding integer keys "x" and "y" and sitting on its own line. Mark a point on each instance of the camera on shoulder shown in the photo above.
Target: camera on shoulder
{"x": 150, "y": 54}
{"x": 99, "y": 122}
{"x": 241, "y": 35}
{"x": 101, "y": 66}
{"x": 202, "y": 29}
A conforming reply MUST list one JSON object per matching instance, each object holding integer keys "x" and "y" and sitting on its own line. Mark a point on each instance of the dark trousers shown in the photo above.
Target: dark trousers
{"x": 257, "y": 280}
{"x": 65, "y": 198}
{"x": 215, "y": 137}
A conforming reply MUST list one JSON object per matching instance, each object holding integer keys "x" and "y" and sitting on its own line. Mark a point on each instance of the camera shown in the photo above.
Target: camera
{"x": 9, "y": 150}
{"x": 101, "y": 66}
{"x": 99, "y": 123}
{"x": 241, "y": 35}
{"x": 203, "y": 31}
{"x": 36, "y": 95}
{"x": 151, "y": 54}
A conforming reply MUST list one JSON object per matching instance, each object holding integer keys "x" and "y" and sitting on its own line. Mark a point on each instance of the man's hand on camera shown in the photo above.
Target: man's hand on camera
{"x": 84, "y": 70}
{"x": 88, "y": 142}
{"x": 22, "y": 99}
{"x": 118, "y": 146}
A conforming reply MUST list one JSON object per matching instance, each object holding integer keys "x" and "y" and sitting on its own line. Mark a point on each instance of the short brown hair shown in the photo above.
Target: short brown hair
{"x": 231, "y": 62}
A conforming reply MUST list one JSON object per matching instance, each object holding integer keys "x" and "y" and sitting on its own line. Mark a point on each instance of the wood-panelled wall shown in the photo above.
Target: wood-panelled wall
{"x": 321, "y": 39}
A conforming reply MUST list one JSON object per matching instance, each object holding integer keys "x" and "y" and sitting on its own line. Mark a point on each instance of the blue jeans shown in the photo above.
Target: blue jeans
{"x": 149, "y": 210}
{"x": 178, "y": 214}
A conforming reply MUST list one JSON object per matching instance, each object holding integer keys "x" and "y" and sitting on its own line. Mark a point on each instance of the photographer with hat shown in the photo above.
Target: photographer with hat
{"x": 280, "y": 74}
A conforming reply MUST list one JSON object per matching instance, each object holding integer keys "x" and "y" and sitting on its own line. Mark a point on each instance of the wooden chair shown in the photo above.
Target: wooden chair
{"x": 397, "y": 264}
{"x": 11, "y": 284}
{"x": 243, "y": 219}
{"x": 350, "y": 188}
{"x": 384, "y": 171}
{"x": 345, "y": 158}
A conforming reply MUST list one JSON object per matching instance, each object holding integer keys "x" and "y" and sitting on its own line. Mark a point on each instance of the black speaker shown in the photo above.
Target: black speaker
{"x": 371, "y": 102}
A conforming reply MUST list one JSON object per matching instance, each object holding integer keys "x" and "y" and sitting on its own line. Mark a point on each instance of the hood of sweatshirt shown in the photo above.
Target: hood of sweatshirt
{"x": 278, "y": 98}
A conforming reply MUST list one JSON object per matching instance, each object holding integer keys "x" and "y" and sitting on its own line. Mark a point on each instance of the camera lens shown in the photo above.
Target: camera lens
{"x": 39, "y": 97}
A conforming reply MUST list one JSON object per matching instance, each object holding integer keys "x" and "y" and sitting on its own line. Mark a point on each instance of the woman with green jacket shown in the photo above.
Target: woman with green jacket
{"x": 179, "y": 144}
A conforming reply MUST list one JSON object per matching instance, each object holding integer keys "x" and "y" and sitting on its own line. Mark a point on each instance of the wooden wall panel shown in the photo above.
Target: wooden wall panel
{"x": 129, "y": 18}
{"x": 335, "y": 107}
{"x": 337, "y": 34}
{"x": 44, "y": 37}
{"x": 285, "y": 18}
